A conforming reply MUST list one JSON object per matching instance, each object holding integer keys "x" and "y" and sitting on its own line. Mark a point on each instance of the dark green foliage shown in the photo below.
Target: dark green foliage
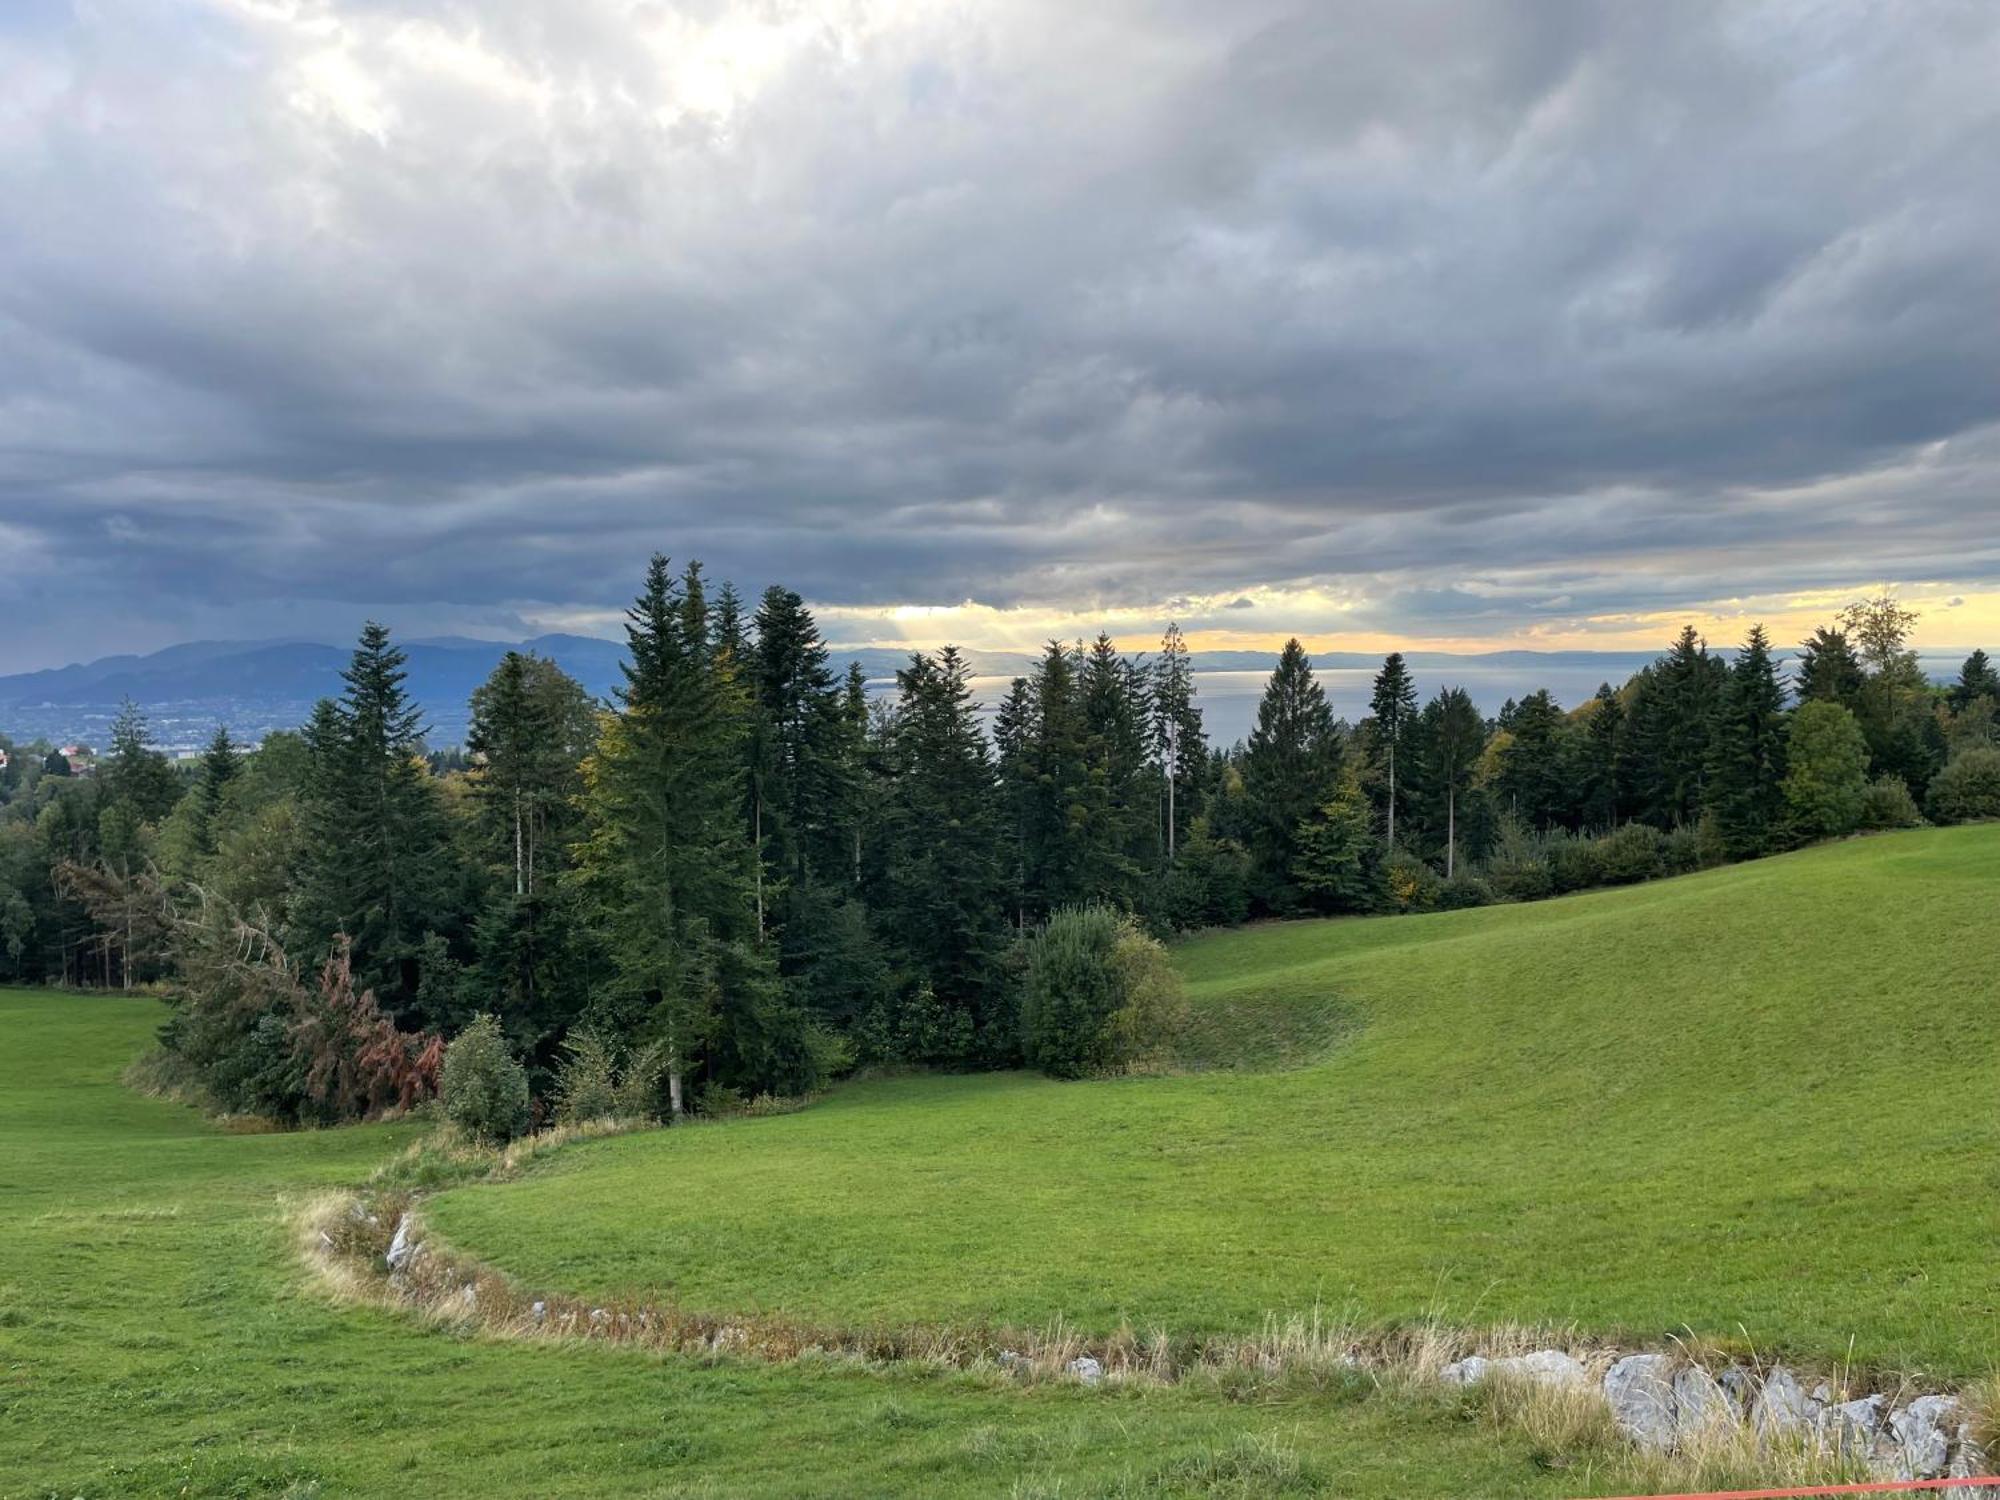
{"x": 1887, "y": 803}
{"x": 1827, "y": 770}
{"x": 485, "y": 1091}
{"x": 1337, "y": 863}
{"x": 1537, "y": 779}
{"x": 1208, "y": 884}
{"x": 530, "y": 729}
{"x": 1603, "y": 770}
{"x": 1672, "y": 727}
{"x": 1967, "y": 788}
{"x": 1976, "y": 679}
{"x": 1747, "y": 752}
{"x": 1629, "y": 853}
{"x": 1289, "y": 770}
{"x": 1179, "y": 741}
{"x": 1459, "y": 891}
{"x": 1392, "y": 707}
{"x": 1097, "y": 995}
{"x": 221, "y": 764}
{"x": 1575, "y": 863}
{"x": 1452, "y": 738}
{"x": 372, "y": 852}
{"x": 134, "y": 773}
{"x": 1518, "y": 869}
{"x": 1828, "y": 670}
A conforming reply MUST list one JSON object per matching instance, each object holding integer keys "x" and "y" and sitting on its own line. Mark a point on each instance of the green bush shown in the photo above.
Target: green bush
{"x": 1888, "y": 804}
{"x": 1575, "y": 864}
{"x": 1829, "y": 770}
{"x": 1462, "y": 891}
{"x": 1412, "y": 884}
{"x": 485, "y": 1092}
{"x": 1684, "y": 850}
{"x": 1518, "y": 870}
{"x": 594, "y": 1083}
{"x": 1098, "y": 994}
{"x": 1969, "y": 787}
{"x": 1629, "y": 853}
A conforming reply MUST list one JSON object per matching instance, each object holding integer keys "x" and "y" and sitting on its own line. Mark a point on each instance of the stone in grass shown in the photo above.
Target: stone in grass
{"x": 401, "y": 1246}
{"x": 1700, "y": 1402}
{"x": 1086, "y": 1369}
{"x": 1544, "y": 1367}
{"x": 1851, "y": 1427}
{"x": 1640, "y": 1390}
{"x": 1782, "y": 1407}
{"x": 1468, "y": 1371}
{"x": 1920, "y": 1439}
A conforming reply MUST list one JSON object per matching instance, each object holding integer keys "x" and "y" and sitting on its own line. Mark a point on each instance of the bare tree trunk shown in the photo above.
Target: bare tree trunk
{"x": 674, "y": 1108}
{"x": 1451, "y": 830}
{"x": 1392, "y": 798}
{"x": 757, "y": 804}
{"x": 520, "y": 865}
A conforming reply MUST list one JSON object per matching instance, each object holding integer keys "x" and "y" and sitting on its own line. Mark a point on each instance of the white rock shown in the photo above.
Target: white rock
{"x": 1468, "y": 1371}
{"x": 1544, "y": 1367}
{"x": 470, "y": 1294}
{"x": 1852, "y": 1426}
{"x": 1922, "y": 1433}
{"x": 1700, "y": 1402}
{"x": 540, "y": 1310}
{"x": 1781, "y": 1407}
{"x": 1640, "y": 1388}
{"x": 401, "y": 1246}
{"x": 1086, "y": 1369}
{"x": 1969, "y": 1459}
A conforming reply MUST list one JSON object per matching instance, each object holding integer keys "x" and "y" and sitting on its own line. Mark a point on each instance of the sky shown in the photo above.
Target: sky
{"x": 1454, "y": 324}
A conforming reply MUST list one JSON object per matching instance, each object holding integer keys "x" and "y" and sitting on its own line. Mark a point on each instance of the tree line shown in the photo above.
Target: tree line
{"x": 752, "y": 870}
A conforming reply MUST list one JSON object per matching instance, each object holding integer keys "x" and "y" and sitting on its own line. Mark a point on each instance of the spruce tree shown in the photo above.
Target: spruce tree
{"x": 1454, "y": 738}
{"x": 1604, "y": 772}
{"x": 373, "y": 847}
{"x": 1535, "y": 771}
{"x": 1337, "y": 863}
{"x": 1289, "y": 770}
{"x": 1829, "y": 671}
{"x": 1059, "y": 794}
{"x": 1976, "y": 679}
{"x": 1179, "y": 741}
{"x": 1393, "y": 705}
{"x": 134, "y": 774}
{"x": 1745, "y": 784}
{"x": 221, "y": 764}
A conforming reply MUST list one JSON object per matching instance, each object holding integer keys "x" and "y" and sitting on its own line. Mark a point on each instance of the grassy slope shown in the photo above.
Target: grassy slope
{"x": 1760, "y": 1099}
{"x": 156, "y": 1338}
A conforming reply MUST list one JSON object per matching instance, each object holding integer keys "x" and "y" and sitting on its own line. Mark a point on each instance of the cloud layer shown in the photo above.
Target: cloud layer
{"x": 1458, "y": 319}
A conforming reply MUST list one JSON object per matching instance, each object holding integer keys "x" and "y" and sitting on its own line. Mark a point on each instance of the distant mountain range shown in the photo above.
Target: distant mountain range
{"x": 258, "y": 686}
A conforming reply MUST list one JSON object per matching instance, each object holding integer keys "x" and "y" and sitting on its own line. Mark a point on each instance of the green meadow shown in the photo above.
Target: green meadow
{"x": 1760, "y": 1103}
{"x": 1757, "y": 1103}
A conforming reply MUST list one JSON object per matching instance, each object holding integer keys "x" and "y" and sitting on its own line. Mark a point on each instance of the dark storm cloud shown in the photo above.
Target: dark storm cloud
{"x": 1478, "y": 315}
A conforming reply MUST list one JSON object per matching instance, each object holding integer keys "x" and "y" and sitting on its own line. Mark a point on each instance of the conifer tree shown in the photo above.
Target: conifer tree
{"x": 221, "y": 764}
{"x": 1289, "y": 769}
{"x": 134, "y": 773}
{"x": 1604, "y": 799}
{"x": 1337, "y": 863}
{"x": 1454, "y": 737}
{"x": 1178, "y": 738}
{"x": 373, "y": 855}
{"x": 1829, "y": 671}
{"x": 1745, "y": 785}
{"x": 1058, "y": 800}
{"x": 1534, "y": 773}
{"x": 1393, "y": 705}
{"x": 1976, "y": 679}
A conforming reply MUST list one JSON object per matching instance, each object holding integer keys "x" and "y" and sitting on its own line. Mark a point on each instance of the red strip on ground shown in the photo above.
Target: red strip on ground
{"x": 1889, "y": 1487}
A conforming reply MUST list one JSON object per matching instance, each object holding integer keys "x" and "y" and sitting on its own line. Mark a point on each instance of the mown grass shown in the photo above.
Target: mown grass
{"x": 159, "y": 1338}
{"x": 1761, "y": 1104}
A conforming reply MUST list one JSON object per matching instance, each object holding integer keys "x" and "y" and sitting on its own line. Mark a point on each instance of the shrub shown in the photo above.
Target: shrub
{"x": 1969, "y": 787}
{"x": 1629, "y": 853}
{"x": 485, "y": 1090}
{"x": 1098, "y": 994}
{"x": 1412, "y": 884}
{"x": 587, "y": 1077}
{"x": 1517, "y": 869}
{"x": 1462, "y": 891}
{"x": 1888, "y": 804}
{"x": 1683, "y": 850}
{"x": 1575, "y": 864}
{"x": 1829, "y": 769}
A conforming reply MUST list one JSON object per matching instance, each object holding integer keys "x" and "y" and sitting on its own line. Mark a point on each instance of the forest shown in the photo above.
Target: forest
{"x": 746, "y": 875}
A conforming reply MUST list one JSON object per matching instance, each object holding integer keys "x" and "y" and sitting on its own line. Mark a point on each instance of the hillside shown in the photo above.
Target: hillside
{"x": 1754, "y": 1102}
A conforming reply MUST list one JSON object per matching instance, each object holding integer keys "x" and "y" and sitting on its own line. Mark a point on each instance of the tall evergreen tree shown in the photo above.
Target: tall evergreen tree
{"x": 531, "y": 725}
{"x": 1976, "y": 679}
{"x": 1829, "y": 671}
{"x": 134, "y": 774}
{"x": 1289, "y": 770}
{"x": 1179, "y": 741}
{"x": 1057, "y": 826}
{"x": 1119, "y": 795}
{"x": 1535, "y": 773}
{"x": 942, "y": 906}
{"x": 373, "y": 855}
{"x": 1604, "y": 780}
{"x": 799, "y": 733}
{"x": 1673, "y": 721}
{"x": 221, "y": 764}
{"x": 1393, "y": 705}
{"x": 1454, "y": 738}
{"x": 1745, "y": 784}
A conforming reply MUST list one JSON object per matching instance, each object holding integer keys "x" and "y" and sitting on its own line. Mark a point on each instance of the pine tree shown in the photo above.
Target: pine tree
{"x": 1829, "y": 671}
{"x": 135, "y": 774}
{"x": 1289, "y": 770}
{"x": 1534, "y": 775}
{"x": 373, "y": 855}
{"x": 1179, "y": 741}
{"x": 1014, "y": 732}
{"x": 1394, "y": 708}
{"x": 1337, "y": 863}
{"x": 1454, "y": 737}
{"x": 1058, "y": 802}
{"x": 1745, "y": 784}
{"x": 799, "y": 731}
{"x": 1605, "y": 796}
{"x": 221, "y": 764}
{"x": 530, "y": 728}
{"x": 1976, "y": 679}
{"x": 942, "y": 903}
{"x": 1119, "y": 794}
{"x": 1673, "y": 721}
{"x": 669, "y": 877}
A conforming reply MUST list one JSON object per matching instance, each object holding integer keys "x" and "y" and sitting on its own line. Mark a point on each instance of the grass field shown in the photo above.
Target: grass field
{"x": 157, "y": 1338}
{"x": 1762, "y": 1101}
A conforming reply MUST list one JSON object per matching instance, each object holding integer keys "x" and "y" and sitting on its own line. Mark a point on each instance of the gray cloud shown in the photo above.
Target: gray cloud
{"x": 1480, "y": 315}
